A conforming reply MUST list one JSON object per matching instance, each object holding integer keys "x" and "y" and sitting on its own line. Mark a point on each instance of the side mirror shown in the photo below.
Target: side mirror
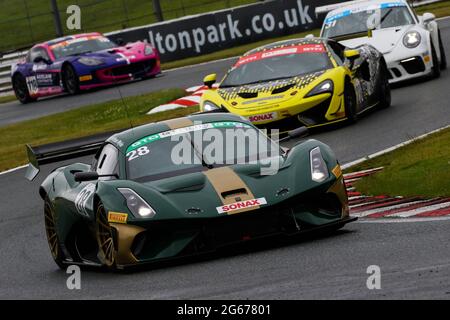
{"x": 40, "y": 59}
{"x": 352, "y": 54}
{"x": 209, "y": 80}
{"x": 428, "y": 17}
{"x": 299, "y": 132}
{"x": 120, "y": 42}
{"x": 86, "y": 176}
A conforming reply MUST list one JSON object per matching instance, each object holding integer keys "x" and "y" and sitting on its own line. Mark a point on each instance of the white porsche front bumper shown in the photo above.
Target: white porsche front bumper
{"x": 405, "y": 64}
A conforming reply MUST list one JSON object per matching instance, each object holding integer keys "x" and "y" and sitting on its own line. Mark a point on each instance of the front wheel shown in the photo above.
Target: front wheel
{"x": 21, "y": 89}
{"x": 350, "y": 103}
{"x": 105, "y": 240}
{"x": 384, "y": 90}
{"x": 435, "y": 69}
{"x": 443, "y": 64}
{"x": 70, "y": 80}
{"x": 52, "y": 235}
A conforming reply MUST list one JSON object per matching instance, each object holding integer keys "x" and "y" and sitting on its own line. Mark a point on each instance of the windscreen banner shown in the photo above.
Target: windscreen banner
{"x": 205, "y": 33}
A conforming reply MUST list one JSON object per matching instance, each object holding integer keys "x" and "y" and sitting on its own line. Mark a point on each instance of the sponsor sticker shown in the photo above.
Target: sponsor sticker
{"x": 241, "y": 205}
{"x": 337, "y": 171}
{"x": 304, "y": 48}
{"x": 263, "y": 117}
{"x": 117, "y": 217}
{"x": 86, "y": 78}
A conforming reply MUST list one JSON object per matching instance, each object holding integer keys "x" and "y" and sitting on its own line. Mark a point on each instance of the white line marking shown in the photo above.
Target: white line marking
{"x": 13, "y": 169}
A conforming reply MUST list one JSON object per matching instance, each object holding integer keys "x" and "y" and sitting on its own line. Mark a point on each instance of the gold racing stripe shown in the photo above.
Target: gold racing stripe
{"x": 224, "y": 179}
{"x": 178, "y": 123}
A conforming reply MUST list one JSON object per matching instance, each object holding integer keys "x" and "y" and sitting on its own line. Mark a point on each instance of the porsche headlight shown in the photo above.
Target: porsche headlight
{"x": 148, "y": 50}
{"x": 319, "y": 169}
{"x": 90, "y": 61}
{"x": 136, "y": 204}
{"x": 323, "y": 87}
{"x": 411, "y": 39}
{"x": 209, "y": 106}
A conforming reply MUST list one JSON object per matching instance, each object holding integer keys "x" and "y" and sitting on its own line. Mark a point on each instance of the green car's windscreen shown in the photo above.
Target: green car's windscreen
{"x": 349, "y": 22}
{"x": 278, "y": 64}
{"x": 196, "y": 148}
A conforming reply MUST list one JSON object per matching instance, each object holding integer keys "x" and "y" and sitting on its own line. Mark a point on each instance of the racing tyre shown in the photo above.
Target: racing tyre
{"x": 350, "y": 102}
{"x": 21, "y": 89}
{"x": 52, "y": 236}
{"x": 443, "y": 57}
{"x": 70, "y": 80}
{"x": 105, "y": 240}
{"x": 384, "y": 90}
{"x": 436, "y": 69}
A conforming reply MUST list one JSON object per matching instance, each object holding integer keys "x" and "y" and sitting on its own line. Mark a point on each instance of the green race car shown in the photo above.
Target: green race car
{"x": 159, "y": 191}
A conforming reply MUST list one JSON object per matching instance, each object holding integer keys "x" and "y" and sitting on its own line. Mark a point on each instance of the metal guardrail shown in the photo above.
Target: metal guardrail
{"x": 8, "y": 60}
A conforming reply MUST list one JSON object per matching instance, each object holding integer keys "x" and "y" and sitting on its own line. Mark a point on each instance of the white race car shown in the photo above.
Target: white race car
{"x": 411, "y": 44}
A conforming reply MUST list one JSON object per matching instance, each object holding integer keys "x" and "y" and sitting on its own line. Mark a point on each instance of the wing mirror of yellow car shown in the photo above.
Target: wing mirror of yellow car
{"x": 352, "y": 54}
{"x": 209, "y": 80}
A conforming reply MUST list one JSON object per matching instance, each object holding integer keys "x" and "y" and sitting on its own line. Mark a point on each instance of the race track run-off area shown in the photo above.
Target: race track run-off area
{"x": 410, "y": 248}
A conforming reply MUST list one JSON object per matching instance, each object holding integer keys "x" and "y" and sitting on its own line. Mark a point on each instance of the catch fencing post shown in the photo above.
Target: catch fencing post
{"x": 56, "y": 19}
{"x": 157, "y": 9}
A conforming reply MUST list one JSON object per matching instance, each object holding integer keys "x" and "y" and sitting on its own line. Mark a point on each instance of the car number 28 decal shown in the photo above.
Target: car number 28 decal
{"x": 32, "y": 84}
{"x": 82, "y": 198}
{"x": 139, "y": 152}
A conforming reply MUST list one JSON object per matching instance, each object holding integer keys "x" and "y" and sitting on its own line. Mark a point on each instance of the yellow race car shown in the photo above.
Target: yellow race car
{"x": 303, "y": 82}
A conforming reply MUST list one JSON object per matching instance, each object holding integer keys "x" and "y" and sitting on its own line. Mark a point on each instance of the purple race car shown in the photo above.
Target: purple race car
{"x": 81, "y": 62}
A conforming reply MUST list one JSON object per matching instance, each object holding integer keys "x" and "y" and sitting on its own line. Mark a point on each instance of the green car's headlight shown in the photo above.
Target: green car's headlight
{"x": 90, "y": 61}
{"x": 319, "y": 170}
{"x": 148, "y": 50}
{"x": 136, "y": 204}
{"x": 411, "y": 39}
{"x": 323, "y": 87}
{"x": 209, "y": 106}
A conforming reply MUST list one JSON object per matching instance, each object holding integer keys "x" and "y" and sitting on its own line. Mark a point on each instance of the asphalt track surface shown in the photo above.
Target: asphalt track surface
{"x": 414, "y": 257}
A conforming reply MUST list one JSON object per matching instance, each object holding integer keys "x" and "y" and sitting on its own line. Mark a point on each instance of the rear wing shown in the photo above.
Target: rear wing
{"x": 59, "y": 151}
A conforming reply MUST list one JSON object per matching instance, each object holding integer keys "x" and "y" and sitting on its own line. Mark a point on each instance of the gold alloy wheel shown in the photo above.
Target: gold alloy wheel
{"x": 104, "y": 237}
{"x": 50, "y": 230}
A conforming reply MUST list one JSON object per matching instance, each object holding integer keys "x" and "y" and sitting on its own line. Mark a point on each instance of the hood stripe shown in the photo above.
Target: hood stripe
{"x": 225, "y": 179}
{"x": 178, "y": 123}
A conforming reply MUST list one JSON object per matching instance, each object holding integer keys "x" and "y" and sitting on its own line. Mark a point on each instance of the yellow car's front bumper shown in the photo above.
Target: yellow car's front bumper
{"x": 312, "y": 111}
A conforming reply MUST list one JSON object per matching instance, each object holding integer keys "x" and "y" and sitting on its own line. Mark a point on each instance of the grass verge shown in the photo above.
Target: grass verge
{"x": 420, "y": 168}
{"x": 84, "y": 121}
{"x": 439, "y": 9}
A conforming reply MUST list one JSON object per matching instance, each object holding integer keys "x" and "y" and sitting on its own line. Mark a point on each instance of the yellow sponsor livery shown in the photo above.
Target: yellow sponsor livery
{"x": 302, "y": 82}
{"x": 117, "y": 217}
